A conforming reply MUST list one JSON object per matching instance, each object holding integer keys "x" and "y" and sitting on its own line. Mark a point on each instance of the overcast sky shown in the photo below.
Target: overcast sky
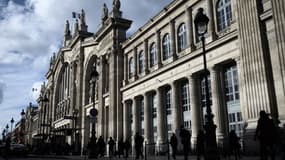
{"x": 31, "y": 30}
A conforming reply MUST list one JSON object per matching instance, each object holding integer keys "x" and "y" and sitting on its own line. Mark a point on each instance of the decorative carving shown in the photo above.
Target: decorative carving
{"x": 82, "y": 17}
{"x": 76, "y": 27}
{"x": 105, "y": 13}
{"x": 67, "y": 28}
{"x": 62, "y": 58}
{"x": 116, "y": 5}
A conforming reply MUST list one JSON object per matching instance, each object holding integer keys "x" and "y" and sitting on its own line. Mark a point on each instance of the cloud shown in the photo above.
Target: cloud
{"x": 31, "y": 30}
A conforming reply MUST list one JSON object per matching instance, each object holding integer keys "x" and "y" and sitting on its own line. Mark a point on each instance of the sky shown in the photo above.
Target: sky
{"x": 31, "y": 30}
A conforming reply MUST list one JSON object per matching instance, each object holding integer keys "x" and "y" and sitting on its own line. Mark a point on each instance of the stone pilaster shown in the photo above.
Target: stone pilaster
{"x": 126, "y": 68}
{"x": 158, "y": 48}
{"x": 218, "y": 106}
{"x": 173, "y": 39}
{"x": 189, "y": 28}
{"x": 147, "y": 119}
{"x": 113, "y": 96}
{"x": 127, "y": 120}
{"x": 196, "y": 111}
{"x": 177, "y": 109}
{"x": 146, "y": 59}
{"x": 101, "y": 84}
{"x": 211, "y": 30}
{"x": 135, "y": 51}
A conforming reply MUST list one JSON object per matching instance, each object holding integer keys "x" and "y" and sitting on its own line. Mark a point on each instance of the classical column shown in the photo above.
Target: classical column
{"x": 196, "y": 110}
{"x": 189, "y": 28}
{"x": 127, "y": 120}
{"x": 177, "y": 109}
{"x": 158, "y": 48}
{"x": 135, "y": 51}
{"x": 211, "y": 30}
{"x": 101, "y": 104}
{"x": 173, "y": 39}
{"x": 147, "y": 119}
{"x": 218, "y": 105}
{"x": 136, "y": 115}
{"x": 113, "y": 95}
{"x": 161, "y": 119}
{"x": 278, "y": 61}
{"x": 126, "y": 66}
{"x": 146, "y": 59}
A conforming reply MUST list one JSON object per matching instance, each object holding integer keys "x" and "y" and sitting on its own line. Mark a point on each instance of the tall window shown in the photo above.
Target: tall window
{"x": 185, "y": 97}
{"x": 141, "y": 62}
{"x": 168, "y": 102}
{"x": 153, "y": 105}
{"x": 231, "y": 84}
{"x": 131, "y": 67}
{"x": 181, "y": 37}
{"x": 142, "y": 115}
{"x": 203, "y": 91}
{"x": 166, "y": 46}
{"x": 224, "y": 14}
{"x": 152, "y": 54}
{"x": 185, "y": 102}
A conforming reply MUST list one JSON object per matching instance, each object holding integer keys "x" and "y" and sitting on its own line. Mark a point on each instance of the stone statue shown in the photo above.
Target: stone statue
{"x": 67, "y": 28}
{"x": 105, "y": 12}
{"x": 116, "y": 5}
{"x": 82, "y": 17}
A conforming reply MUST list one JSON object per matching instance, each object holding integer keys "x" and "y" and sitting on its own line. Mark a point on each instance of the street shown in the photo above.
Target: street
{"x": 38, "y": 157}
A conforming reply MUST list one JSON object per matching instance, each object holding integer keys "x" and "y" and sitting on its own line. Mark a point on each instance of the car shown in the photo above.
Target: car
{"x": 18, "y": 149}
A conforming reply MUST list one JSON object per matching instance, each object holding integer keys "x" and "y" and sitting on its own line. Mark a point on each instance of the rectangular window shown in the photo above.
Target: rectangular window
{"x": 231, "y": 84}
{"x": 185, "y": 97}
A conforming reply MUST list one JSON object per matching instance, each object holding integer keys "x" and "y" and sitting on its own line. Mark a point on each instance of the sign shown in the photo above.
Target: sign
{"x": 93, "y": 112}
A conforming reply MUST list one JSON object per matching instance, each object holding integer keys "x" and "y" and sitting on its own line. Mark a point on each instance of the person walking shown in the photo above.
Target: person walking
{"x": 185, "y": 140}
{"x": 200, "y": 144}
{"x": 266, "y": 133}
{"x": 173, "y": 143}
{"x": 111, "y": 144}
{"x": 234, "y": 144}
{"x": 127, "y": 147}
{"x": 120, "y": 147}
{"x": 138, "y": 145}
{"x": 101, "y": 146}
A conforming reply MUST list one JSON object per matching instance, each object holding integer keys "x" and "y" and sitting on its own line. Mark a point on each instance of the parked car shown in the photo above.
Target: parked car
{"x": 18, "y": 149}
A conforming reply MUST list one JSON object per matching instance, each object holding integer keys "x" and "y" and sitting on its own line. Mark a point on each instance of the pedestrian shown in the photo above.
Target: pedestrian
{"x": 173, "y": 143}
{"x": 7, "y": 147}
{"x": 120, "y": 147}
{"x": 101, "y": 146}
{"x": 92, "y": 147}
{"x": 185, "y": 140}
{"x": 266, "y": 133}
{"x": 234, "y": 144}
{"x": 111, "y": 144}
{"x": 139, "y": 145}
{"x": 127, "y": 146}
{"x": 200, "y": 144}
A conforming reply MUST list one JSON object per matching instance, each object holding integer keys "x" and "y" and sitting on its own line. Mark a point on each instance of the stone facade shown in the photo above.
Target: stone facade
{"x": 152, "y": 82}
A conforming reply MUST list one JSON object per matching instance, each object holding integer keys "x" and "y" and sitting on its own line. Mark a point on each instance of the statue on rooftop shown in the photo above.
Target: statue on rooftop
{"x": 105, "y": 12}
{"x": 116, "y": 5}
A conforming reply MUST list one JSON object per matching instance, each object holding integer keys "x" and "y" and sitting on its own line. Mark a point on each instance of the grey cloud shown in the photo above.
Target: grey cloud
{"x": 2, "y": 87}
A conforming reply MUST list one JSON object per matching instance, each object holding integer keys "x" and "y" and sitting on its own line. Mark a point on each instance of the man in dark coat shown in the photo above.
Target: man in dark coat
{"x": 139, "y": 145}
{"x": 173, "y": 143}
{"x": 185, "y": 140}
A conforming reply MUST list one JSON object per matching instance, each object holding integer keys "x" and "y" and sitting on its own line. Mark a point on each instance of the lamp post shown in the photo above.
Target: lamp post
{"x": 93, "y": 111}
{"x": 201, "y": 25}
{"x": 12, "y": 121}
{"x": 3, "y": 135}
{"x": 22, "y": 128}
{"x": 76, "y": 137}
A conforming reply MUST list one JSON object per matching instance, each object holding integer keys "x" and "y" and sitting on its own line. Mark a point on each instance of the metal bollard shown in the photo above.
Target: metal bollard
{"x": 168, "y": 151}
{"x": 145, "y": 156}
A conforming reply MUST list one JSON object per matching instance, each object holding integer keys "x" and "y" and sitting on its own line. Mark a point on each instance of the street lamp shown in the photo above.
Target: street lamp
{"x": 12, "y": 121}
{"x": 201, "y": 25}
{"x": 93, "y": 111}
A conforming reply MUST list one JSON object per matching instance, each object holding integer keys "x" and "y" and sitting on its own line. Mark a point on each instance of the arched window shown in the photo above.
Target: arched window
{"x": 181, "y": 37}
{"x": 131, "y": 67}
{"x": 166, "y": 46}
{"x": 141, "y": 62}
{"x": 224, "y": 14}
{"x": 152, "y": 55}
